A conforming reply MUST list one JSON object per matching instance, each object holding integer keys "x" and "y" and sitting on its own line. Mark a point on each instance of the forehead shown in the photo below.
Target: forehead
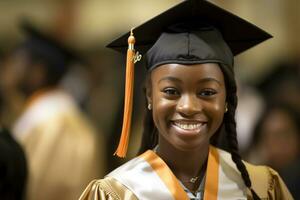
{"x": 188, "y": 72}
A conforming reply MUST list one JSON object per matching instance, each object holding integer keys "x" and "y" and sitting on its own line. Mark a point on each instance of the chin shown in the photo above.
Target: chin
{"x": 189, "y": 146}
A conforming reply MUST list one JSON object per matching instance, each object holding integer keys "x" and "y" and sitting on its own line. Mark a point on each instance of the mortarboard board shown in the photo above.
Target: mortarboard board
{"x": 192, "y": 32}
{"x": 239, "y": 34}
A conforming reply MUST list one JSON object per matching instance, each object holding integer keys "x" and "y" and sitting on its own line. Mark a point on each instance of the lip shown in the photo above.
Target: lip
{"x": 188, "y": 128}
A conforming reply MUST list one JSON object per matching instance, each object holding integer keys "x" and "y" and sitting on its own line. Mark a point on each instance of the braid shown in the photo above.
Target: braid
{"x": 150, "y": 136}
{"x": 230, "y": 127}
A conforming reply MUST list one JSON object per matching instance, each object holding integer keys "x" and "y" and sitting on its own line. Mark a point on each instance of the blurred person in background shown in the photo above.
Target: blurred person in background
{"x": 12, "y": 98}
{"x": 276, "y": 142}
{"x": 63, "y": 149}
{"x": 13, "y": 166}
{"x": 282, "y": 84}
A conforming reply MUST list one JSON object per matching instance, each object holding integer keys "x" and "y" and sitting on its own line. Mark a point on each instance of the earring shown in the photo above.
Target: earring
{"x": 149, "y": 106}
{"x": 226, "y": 108}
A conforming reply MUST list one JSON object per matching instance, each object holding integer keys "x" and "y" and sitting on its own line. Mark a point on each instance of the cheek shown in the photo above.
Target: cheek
{"x": 218, "y": 114}
{"x": 219, "y": 106}
{"x": 217, "y": 111}
{"x": 162, "y": 110}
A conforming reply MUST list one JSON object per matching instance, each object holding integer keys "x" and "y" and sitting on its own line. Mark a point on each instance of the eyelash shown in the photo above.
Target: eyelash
{"x": 171, "y": 91}
{"x": 202, "y": 93}
{"x": 207, "y": 92}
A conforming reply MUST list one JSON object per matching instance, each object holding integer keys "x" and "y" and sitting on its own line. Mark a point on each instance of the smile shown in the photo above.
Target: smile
{"x": 189, "y": 128}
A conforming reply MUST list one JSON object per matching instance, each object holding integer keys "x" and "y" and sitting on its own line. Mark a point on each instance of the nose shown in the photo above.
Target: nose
{"x": 189, "y": 105}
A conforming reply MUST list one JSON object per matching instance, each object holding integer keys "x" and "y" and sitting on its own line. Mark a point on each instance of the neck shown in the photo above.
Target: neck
{"x": 185, "y": 164}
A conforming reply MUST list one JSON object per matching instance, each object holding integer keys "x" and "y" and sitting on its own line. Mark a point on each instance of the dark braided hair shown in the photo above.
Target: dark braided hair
{"x": 150, "y": 134}
{"x": 230, "y": 128}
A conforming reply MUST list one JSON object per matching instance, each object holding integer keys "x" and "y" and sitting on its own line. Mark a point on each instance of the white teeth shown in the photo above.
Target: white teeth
{"x": 188, "y": 126}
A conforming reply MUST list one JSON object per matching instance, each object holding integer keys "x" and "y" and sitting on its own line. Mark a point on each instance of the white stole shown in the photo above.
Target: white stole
{"x": 149, "y": 177}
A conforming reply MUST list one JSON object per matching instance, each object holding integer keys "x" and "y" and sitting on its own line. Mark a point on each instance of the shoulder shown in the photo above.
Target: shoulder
{"x": 267, "y": 182}
{"x": 107, "y": 189}
{"x": 258, "y": 174}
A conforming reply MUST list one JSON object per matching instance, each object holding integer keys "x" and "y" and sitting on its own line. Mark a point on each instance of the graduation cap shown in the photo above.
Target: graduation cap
{"x": 192, "y": 32}
{"x": 56, "y": 56}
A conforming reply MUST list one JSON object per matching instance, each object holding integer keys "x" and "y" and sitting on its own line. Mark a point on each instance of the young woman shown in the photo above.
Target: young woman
{"x": 191, "y": 97}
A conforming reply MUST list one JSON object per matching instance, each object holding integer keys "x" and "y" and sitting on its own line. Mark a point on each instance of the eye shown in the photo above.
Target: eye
{"x": 171, "y": 91}
{"x": 207, "y": 92}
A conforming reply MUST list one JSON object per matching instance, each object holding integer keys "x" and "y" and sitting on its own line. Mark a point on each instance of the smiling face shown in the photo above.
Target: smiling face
{"x": 188, "y": 104}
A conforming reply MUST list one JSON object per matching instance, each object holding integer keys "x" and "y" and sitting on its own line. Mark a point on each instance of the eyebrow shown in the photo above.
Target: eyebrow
{"x": 206, "y": 79}
{"x": 170, "y": 78}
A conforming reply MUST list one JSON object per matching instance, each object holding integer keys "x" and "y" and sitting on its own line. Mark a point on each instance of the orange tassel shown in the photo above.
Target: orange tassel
{"x": 129, "y": 82}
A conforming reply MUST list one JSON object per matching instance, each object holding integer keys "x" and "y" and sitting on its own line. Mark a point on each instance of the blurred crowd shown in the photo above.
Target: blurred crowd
{"x": 61, "y": 109}
{"x": 274, "y": 139}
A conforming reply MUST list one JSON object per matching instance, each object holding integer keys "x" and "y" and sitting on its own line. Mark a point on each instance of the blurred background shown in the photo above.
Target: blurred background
{"x": 268, "y": 74}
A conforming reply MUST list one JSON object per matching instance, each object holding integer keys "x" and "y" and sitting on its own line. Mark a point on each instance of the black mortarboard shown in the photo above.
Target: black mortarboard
{"x": 46, "y": 48}
{"x": 192, "y": 32}
{"x": 193, "y": 16}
